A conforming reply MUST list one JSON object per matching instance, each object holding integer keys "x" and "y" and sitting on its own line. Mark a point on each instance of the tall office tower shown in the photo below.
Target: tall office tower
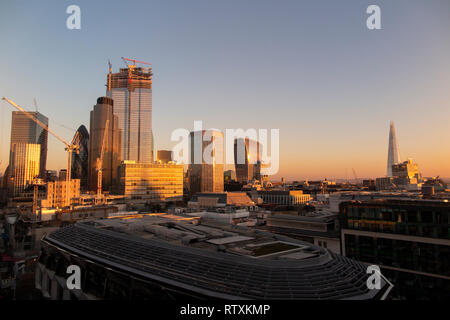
{"x": 25, "y": 130}
{"x": 207, "y": 161}
{"x": 131, "y": 90}
{"x": 24, "y": 165}
{"x": 80, "y": 161}
{"x": 247, "y": 159}
{"x": 393, "y": 151}
{"x": 163, "y": 156}
{"x": 100, "y": 115}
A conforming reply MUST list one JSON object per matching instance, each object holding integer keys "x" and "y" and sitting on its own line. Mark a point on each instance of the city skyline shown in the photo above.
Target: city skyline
{"x": 332, "y": 108}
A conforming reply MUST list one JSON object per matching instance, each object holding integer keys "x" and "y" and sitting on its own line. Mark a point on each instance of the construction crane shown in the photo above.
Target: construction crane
{"x": 134, "y": 62}
{"x": 70, "y": 147}
{"x": 36, "y": 183}
{"x": 354, "y": 174}
{"x": 99, "y": 165}
{"x": 132, "y": 66}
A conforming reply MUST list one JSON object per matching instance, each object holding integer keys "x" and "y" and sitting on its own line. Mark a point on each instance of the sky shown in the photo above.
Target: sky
{"x": 311, "y": 69}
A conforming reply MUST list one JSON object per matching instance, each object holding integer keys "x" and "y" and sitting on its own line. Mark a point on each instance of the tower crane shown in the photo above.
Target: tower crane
{"x": 70, "y": 146}
{"x": 132, "y": 66}
{"x": 99, "y": 165}
{"x": 134, "y": 62}
{"x": 354, "y": 174}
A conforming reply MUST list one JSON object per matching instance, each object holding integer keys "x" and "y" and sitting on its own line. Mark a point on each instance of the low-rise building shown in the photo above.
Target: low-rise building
{"x": 221, "y": 199}
{"x": 155, "y": 182}
{"x": 319, "y": 227}
{"x": 56, "y": 193}
{"x": 284, "y": 197}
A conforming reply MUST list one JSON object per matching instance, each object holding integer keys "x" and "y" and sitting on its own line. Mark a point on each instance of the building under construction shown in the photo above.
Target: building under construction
{"x": 131, "y": 90}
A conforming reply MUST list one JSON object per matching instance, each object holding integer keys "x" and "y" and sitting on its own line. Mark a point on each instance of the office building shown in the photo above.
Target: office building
{"x": 24, "y": 166}
{"x": 25, "y": 130}
{"x": 406, "y": 173}
{"x": 80, "y": 160}
{"x": 221, "y": 200}
{"x": 154, "y": 182}
{"x": 284, "y": 197}
{"x": 393, "y": 151}
{"x": 206, "y": 161}
{"x": 247, "y": 159}
{"x": 103, "y": 119}
{"x": 131, "y": 90}
{"x": 318, "y": 227}
{"x": 408, "y": 239}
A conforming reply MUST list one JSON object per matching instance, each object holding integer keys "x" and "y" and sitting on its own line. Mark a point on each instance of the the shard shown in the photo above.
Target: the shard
{"x": 393, "y": 151}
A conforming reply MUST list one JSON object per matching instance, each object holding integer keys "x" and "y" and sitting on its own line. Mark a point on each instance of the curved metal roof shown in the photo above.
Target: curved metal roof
{"x": 216, "y": 274}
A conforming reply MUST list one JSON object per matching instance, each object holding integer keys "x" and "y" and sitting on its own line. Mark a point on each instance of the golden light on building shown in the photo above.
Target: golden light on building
{"x": 25, "y": 163}
{"x": 157, "y": 182}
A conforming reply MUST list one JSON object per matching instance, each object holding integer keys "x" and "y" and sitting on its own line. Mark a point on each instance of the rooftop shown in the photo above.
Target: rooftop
{"x": 215, "y": 260}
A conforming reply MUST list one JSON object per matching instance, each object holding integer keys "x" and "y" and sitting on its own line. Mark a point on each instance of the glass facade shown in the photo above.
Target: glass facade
{"x": 158, "y": 182}
{"x": 24, "y": 165}
{"x": 80, "y": 160}
{"x": 247, "y": 159}
{"x": 131, "y": 90}
{"x": 408, "y": 239}
{"x": 207, "y": 174}
{"x": 110, "y": 142}
{"x": 25, "y": 130}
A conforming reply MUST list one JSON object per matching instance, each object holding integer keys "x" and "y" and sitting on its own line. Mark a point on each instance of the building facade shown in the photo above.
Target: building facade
{"x": 284, "y": 197}
{"x": 247, "y": 159}
{"x": 80, "y": 160}
{"x": 131, "y": 90}
{"x": 406, "y": 172}
{"x": 103, "y": 119}
{"x": 408, "y": 239}
{"x": 155, "y": 182}
{"x": 24, "y": 166}
{"x": 56, "y": 193}
{"x": 25, "y": 130}
{"x": 393, "y": 150}
{"x": 206, "y": 161}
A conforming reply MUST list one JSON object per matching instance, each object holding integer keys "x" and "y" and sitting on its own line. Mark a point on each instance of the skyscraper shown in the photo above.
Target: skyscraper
{"x": 393, "y": 151}
{"x": 131, "y": 90}
{"x": 102, "y": 113}
{"x": 206, "y": 163}
{"x": 25, "y": 130}
{"x": 24, "y": 165}
{"x": 80, "y": 161}
{"x": 247, "y": 159}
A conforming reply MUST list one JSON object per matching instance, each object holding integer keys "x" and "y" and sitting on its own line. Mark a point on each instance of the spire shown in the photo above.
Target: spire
{"x": 393, "y": 151}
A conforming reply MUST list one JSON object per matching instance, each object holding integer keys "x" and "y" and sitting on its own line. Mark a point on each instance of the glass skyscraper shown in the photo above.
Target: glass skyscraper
{"x": 80, "y": 160}
{"x": 25, "y": 130}
{"x": 247, "y": 159}
{"x": 109, "y": 142}
{"x": 206, "y": 175}
{"x": 131, "y": 90}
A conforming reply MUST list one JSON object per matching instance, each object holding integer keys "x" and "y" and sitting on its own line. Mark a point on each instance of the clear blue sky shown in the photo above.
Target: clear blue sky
{"x": 310, "y": 68}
